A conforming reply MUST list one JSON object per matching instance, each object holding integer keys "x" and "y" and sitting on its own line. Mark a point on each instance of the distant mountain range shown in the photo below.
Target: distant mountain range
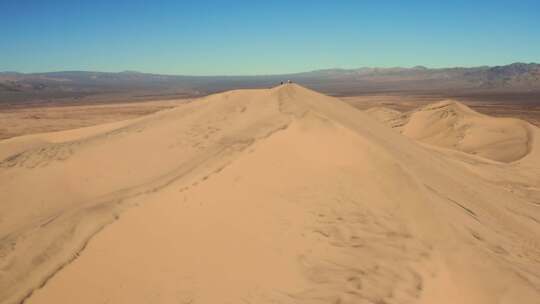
{"x": 516, "y": 77}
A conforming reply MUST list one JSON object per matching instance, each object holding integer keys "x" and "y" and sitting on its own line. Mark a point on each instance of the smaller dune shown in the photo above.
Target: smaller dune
{"x": 453, "y": 125}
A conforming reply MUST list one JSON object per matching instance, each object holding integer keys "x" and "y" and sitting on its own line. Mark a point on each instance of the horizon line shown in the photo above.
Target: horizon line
{"x": 418, "y": 66}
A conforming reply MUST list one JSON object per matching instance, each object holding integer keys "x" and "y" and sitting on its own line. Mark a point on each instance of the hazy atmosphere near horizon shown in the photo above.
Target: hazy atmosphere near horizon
{"x": 263, "y": 37}
{"x": 269, "y": 152}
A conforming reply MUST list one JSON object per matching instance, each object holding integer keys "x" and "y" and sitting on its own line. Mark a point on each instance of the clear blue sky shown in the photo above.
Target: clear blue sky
{"x": 263, "y": 37}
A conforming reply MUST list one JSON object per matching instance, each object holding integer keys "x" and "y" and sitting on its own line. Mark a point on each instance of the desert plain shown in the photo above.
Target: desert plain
{"x": 276, "y": 195}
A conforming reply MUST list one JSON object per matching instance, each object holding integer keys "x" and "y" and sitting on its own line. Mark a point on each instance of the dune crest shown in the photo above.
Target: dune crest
{"x": 281, "y": 195}
{"x": 450, "y": 124}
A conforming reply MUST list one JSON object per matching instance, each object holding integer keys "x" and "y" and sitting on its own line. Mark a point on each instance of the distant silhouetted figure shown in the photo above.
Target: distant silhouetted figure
{"x": 282, "y": 83}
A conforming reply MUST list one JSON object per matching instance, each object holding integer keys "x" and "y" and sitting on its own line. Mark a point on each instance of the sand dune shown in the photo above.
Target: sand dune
{"x": 273, "y": 196}
{"x": 384, "y": 115}
{"x": 451, "y": 124}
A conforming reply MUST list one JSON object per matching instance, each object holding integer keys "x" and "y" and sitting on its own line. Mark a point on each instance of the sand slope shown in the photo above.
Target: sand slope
{"x": 264, "y": 196}
{"x": 451, "y": 124}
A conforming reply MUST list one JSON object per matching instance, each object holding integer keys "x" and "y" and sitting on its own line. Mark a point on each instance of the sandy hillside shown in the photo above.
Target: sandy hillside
{"x": 451, "y": 124}
{"x": 269, "y": 196}
{"x": 36, "y": 118}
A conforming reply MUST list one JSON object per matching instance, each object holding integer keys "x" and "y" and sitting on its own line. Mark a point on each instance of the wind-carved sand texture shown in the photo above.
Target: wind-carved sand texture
{"x": 281, "y": 195}
{"x": 451, "y": 124}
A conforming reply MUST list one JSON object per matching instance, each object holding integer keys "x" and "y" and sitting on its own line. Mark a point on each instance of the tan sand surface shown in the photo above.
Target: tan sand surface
{"x": 18, "y": 120}
{"x": 451, "y": 124}
{"x": 267, "y": 196}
